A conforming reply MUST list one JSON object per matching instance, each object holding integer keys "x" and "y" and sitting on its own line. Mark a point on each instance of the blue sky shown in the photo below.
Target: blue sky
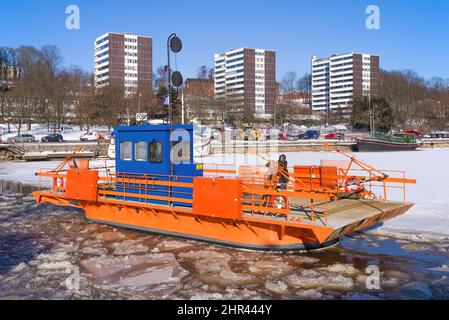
{"x": 414, "y": 33}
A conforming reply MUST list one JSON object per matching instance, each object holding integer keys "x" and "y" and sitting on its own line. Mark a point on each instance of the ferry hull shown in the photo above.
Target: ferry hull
{"x": 244, "y": 233}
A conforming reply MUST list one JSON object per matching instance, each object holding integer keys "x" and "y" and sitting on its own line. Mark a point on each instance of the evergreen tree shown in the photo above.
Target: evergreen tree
{"x": 383, "y": 114}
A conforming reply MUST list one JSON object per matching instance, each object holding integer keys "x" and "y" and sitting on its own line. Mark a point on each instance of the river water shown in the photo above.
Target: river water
{"x": 48, "y": 252}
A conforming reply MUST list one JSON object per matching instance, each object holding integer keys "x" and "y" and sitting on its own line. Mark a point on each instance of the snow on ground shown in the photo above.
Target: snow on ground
{"x": 429, "y": 167}
{"x": 69, "y": 132}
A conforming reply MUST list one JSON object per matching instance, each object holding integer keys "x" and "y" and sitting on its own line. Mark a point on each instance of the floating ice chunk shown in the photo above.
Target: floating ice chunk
{"x": 110, "y": 236}
{"x": 346, "y": 269}
{"x": 207, "y": 261}
{"x": 95, "y": 250}
{"x": 129, "y": 247}
{"x": 314, "y": 279}
{"x": 442, "y": 268}
{"x": 207, "y": 296}
{"x": 272, "y": 267}
{"x": 152, "y": 274}
{"x": 58, "y": 265}
{"x": 19, "y": 268}
{"x": 414, "y": 247}
{"x": 169, "y": 245}
{"x": 309, "y": 294}
{"x": 276, "y": 287}
{"x": 235, "y": 277}
{"x": 302, "y": 259}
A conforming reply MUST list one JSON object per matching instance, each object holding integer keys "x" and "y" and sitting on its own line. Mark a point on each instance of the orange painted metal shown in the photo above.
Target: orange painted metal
{"x": 245, "y": 232}
{"x": 308, "y": 176}
{"x": 82, "y": 184}
{"x": 223, "y": 210}
{"x": 220, "y": 198}
{"x": 316, "y": 177}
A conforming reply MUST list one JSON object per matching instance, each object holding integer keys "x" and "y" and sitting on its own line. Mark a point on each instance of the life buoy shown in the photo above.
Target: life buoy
{"x": 278, "y": 202}
{"x": 354, "y": 187}
{"x": 58, "y": 183}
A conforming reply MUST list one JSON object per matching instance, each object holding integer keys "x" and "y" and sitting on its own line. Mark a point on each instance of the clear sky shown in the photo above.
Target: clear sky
{"x": 413, "y": 33}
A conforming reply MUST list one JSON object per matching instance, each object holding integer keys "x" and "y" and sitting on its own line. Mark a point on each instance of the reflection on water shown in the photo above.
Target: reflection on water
{"x": 52, "y": 252}
{"x": 11, "y": 186}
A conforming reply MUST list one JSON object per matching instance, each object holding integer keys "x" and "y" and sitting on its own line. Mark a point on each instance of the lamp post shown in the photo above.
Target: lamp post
{"x": 174, "y": 44}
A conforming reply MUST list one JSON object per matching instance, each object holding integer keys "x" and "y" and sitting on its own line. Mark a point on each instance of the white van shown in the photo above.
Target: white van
{"x": 91, "y": 136}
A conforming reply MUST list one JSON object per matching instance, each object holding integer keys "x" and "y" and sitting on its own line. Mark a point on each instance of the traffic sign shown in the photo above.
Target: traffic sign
{"x": 140, "y": 117}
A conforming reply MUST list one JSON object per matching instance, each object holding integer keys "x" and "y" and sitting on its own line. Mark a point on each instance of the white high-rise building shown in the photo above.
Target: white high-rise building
{"x": 340, "y": 79}
{"x": 246, "y": 79}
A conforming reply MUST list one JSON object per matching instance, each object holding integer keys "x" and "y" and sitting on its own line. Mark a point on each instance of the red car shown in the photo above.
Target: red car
{"x": 282, "y": 136}
{"x": 334, "y": 136}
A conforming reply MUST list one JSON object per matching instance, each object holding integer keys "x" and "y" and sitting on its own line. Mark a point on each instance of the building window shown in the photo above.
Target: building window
{"x": 141, "y": 151}
{"x": 155, "y": 152}
{"x": 126, "y": 151}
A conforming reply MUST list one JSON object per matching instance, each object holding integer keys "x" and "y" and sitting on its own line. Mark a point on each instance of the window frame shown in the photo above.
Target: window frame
{"x": 145, "y": 148}
{"x": 120, "y": 151}
{"x": 150, "y": 159}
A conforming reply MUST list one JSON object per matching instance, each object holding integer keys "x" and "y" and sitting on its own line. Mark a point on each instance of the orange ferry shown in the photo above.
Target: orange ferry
{"x": 157, "y": 187}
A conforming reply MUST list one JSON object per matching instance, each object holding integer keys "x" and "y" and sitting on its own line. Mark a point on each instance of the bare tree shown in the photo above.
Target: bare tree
{"x": 205, "y": 73}
{"x": 289, "y": 82}
{"x": 160, "y": 79}
{"x": 304, "y": 85}
{"x": 402, "y": 89}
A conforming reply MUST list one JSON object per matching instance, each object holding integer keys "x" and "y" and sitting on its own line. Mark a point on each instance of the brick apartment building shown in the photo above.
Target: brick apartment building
{"x": 246, "y": 79}
{"x": 124, "y": 59}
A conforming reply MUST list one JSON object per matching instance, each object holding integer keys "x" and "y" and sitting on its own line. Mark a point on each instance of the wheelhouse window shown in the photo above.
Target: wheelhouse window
{"x": 180, "y": 151}
{"x": 126, "y": 151}
{"x": 155, "y": 152}
{"x": 141, "y": 151}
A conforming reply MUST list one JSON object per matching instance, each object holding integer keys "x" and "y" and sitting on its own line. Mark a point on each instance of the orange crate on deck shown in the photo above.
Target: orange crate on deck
{"x": 316, "y": 176}
{"x": 307, "y": 175}
{"x": 217, "y": 197}
{"x": 329, "y": 178}
{"x": 82, "y": 184}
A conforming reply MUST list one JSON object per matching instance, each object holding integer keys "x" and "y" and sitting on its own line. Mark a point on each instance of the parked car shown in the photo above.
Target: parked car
{"x": 282, "y": 136}
{"x": 55, "y": 137}
{"x": 334, "y": 136}
{"x": 311, "y": 134}
{"x": 439, "y": 134}
{"x": 292, "y": 137}
{"x": 91, "y": 136}
{"x": 23, "y": 137}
